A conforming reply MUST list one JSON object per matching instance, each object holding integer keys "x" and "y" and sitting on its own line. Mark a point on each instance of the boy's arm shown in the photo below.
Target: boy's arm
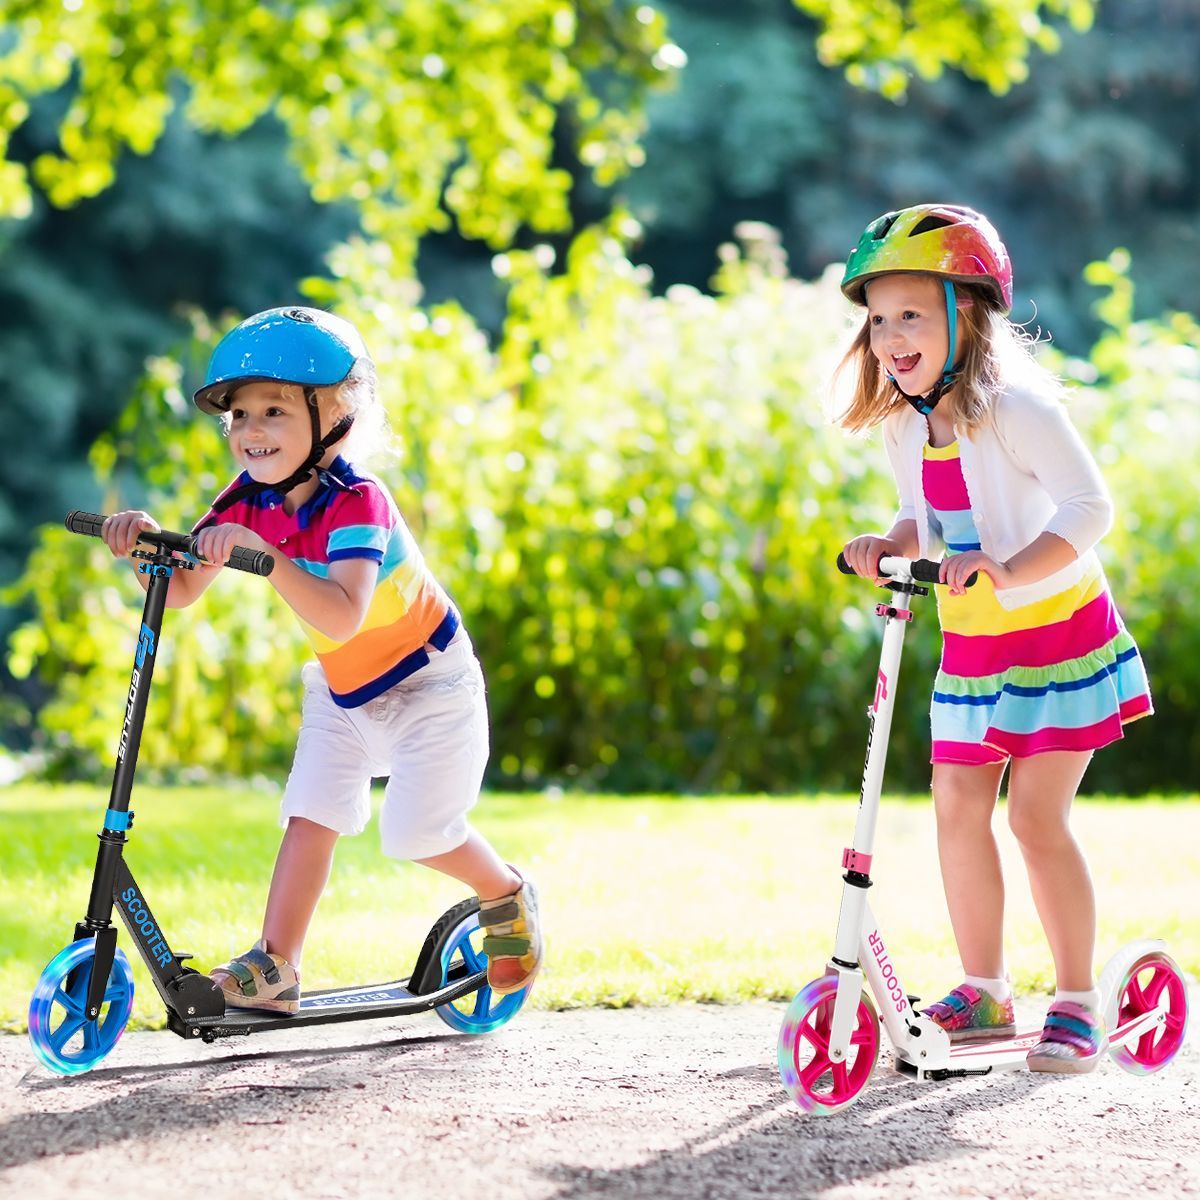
{"x": 334, "y": 605}
{"x": 120, "y": 534}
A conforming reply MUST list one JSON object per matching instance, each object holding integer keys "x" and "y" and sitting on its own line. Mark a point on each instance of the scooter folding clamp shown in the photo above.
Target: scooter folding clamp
{"x": 855, "y": 860}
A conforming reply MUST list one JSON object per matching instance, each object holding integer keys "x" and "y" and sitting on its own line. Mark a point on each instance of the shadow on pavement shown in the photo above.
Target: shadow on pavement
{"x": 773, "y": 1149}
{"x": 191, "y": 1095}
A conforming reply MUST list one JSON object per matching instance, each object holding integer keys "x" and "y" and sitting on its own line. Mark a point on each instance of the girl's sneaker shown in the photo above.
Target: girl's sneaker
{"x": 1073, "y": 1040}
{"x": 967, "y": 1014}
{"x": 512, "y": 939}
{"x": 257, "y": 979}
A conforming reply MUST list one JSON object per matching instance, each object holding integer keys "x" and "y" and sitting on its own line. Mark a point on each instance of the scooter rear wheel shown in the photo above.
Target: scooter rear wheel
{"x": 1154, "y": 982}
{"x": 481, "y": 1011}
{"x": 60, "y": 1032}
{"x": 811, "y": 1077}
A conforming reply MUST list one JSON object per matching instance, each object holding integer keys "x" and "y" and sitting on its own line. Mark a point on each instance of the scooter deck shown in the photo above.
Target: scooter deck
{"x": 1007, "y": 1053}
{"x": 359, "y": 1002}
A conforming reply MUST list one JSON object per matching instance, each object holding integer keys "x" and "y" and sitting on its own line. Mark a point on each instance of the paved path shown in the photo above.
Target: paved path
{"x": 667, "y": 1103}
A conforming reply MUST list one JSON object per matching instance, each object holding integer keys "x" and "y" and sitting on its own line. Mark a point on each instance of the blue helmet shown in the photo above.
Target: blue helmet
{"x": 306, "y": 346}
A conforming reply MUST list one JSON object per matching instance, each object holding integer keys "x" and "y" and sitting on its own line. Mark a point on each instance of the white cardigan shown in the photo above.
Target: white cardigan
{"x": 1027, "y": 472}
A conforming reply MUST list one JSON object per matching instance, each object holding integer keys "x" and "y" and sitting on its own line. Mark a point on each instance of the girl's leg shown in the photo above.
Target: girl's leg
{"x": 477, "y": 865}
{"x": 1040, "y": 791}
{"x": 964, "y": 798}
{"x": 301, "y": 872}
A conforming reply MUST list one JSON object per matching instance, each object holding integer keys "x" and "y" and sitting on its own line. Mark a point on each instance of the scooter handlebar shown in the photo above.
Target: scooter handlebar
{"x": 923, "y": 570}
{"x": 254, "y": 562}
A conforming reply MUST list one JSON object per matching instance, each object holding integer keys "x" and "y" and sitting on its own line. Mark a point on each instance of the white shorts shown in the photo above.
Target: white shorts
{"x": 428, "y": 734}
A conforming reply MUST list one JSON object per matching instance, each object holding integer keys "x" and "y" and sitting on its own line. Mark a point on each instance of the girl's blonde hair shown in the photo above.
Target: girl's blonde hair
{"x": 996, "y": 353}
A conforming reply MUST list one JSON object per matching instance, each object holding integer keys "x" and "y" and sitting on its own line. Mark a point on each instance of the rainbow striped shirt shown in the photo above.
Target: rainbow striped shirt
{"x": 352, "y": 515}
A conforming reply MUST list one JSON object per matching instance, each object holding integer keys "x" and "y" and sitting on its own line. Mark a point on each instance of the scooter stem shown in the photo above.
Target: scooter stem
{"x": 117, "y": 818}
{"x": 857, "y": 857}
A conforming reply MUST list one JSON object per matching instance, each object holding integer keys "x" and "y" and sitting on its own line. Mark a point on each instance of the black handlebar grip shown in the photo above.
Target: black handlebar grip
{"x": 256, "y": 562}
{"x": 924, "y": 570}
{"x": 86, "y": 523}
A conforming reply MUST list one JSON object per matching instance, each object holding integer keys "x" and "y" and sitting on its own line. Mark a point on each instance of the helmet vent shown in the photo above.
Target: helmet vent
{"x": 929, "y": 223}
{"x": 884, "y": 225}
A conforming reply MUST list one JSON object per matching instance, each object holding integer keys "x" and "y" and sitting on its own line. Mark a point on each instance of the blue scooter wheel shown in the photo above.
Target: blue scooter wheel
{"x": 62, "y": 1036}
{"x": 481, "y": 1011}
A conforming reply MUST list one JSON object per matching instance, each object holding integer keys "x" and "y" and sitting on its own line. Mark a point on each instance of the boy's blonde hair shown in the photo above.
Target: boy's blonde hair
{"x": 995, "y": 354}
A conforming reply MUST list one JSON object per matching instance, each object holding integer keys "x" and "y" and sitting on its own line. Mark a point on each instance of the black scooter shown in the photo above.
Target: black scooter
{"x": 84, "y": 996}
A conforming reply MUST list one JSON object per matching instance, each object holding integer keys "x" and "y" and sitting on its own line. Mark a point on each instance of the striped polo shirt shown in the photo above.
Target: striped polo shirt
{"x": 352, "y": 515}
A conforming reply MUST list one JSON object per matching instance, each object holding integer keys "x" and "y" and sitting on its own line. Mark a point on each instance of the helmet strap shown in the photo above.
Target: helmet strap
{"x": 305, "y": 470}
{"x": 927, "y": 403}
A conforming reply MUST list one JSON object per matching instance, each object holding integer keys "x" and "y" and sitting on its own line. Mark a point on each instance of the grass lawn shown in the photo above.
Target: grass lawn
{"x": 646, "y": 900}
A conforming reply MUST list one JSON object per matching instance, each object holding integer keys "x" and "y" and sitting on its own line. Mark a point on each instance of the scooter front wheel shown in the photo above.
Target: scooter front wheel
{"x": 62, "y": 1035}
{"x": 481, "y": 1011}
{"x": 811, "y": 1077}
{"x": 1154, "y": 982}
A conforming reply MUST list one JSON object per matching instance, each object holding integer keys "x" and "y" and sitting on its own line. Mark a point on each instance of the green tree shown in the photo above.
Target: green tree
{"x": 1098, "y": 147}
{"x": 417, "y": 112}
{"x": 88, "y": 294}
{"x": 636, "y": 501}
{"x": 1139, "y": 406}
{"x": 989, "y": 40}
{"x": 430, "y": 110}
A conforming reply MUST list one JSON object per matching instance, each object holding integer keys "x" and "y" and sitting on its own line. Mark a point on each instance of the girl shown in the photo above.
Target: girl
{"x": 1037, "y": 670}
{"x": 396, "y": 689}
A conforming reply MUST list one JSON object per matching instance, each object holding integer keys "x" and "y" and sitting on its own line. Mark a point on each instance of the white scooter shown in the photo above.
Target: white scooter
{"x": 829, "y": 1040}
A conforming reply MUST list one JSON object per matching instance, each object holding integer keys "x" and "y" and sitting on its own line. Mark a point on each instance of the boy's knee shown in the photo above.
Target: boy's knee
{"x": 414, "y": 840}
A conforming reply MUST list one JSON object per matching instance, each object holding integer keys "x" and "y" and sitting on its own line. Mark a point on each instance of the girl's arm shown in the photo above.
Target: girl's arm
{"x": 1043, "y": 556}
{"x": 1039, "y": 433}
{"x": 335, "y": 605}
{"x": 863, "y": 553}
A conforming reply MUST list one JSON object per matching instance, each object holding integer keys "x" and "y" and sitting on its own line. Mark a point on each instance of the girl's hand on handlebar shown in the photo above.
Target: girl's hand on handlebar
{"x": 958, "y": 568}
{"x": 120, "y": 531}
{"x": 216, "y": 543}
{"x": 863, "y": 554}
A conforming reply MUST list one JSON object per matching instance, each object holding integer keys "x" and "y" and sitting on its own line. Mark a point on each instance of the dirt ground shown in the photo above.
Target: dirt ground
{"x": 669, "y": 1103}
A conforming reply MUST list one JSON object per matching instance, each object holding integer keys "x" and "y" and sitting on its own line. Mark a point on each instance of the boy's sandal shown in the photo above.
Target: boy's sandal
{"x": 260, "y": 980}
{"x": 512, "y": 935}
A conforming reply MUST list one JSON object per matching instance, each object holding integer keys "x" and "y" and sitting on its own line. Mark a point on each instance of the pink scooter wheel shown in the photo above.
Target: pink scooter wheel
{"x": 812, "y": 1079}
{"x": 1153, "y": 982}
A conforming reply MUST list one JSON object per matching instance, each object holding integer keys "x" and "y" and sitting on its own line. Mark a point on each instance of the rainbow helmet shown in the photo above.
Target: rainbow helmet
{"x": 947, "y": 240}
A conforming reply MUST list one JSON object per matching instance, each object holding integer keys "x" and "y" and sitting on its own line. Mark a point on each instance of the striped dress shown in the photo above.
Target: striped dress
{"x": 1059, "y": 674}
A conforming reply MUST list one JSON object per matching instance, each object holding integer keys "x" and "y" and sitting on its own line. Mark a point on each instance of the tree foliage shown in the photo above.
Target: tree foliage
{"x": 87, "y": 295}
{"x": 416, "y": 110}
{"x": 1099, "y": 147}
{"x": 988, "y": 40}
{"x": 636, "y": 501}
{"x": 427, "y": 109}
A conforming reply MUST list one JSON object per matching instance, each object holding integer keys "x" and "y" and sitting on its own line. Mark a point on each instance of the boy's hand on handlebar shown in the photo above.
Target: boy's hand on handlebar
{"x": 216, "y": 543}
{"x": 958, "y": 568}
{"x": 120, "y": 531}
{"x": 863, "y": 554}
